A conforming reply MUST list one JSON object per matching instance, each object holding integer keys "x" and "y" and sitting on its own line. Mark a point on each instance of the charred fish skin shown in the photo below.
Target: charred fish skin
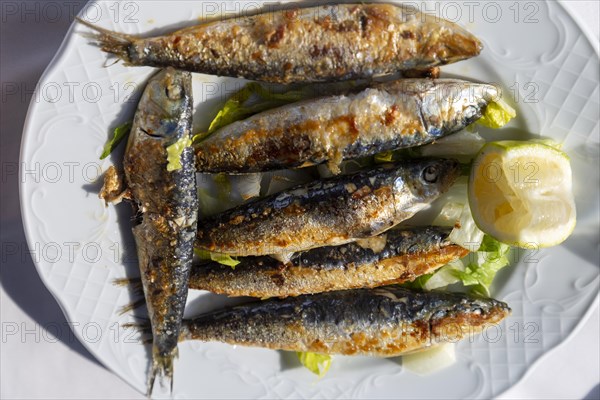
{"x": 168, "y": 205}
{"x": 387, "y": 116}
{"x": 328, "y": 212}
{"x": 397, "y": 256}
{"x": 387, "y": 321}
{"x": 313, "y": 44}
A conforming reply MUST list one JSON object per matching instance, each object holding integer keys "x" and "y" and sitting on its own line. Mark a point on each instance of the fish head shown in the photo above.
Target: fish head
{"x": 447, "y": 313}
{"x": 452, "y": 314}
{"x": 166, "y": 95}
{"x": 447, "y": 42}
{"x": 449, "y": 105}
{"x": 428, "y": 178}
{"x": 467, "y": 101}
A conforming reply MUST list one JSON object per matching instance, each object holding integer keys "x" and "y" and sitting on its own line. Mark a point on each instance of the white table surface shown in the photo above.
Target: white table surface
{"x": 34, "y": 363}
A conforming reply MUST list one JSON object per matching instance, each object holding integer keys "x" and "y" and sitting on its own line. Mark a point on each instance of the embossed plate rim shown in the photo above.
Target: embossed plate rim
{"x": 28, "y": 219}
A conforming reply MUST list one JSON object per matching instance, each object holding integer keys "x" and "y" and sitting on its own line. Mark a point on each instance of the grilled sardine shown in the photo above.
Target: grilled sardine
{"x": 386, "y": 321}
{"x": 167, "y": 207}
{"x": 313, "y": 44}
{"x": 387, "y": 116}
{"x": 328, "y": 212}
{"x": 397, "y": 256}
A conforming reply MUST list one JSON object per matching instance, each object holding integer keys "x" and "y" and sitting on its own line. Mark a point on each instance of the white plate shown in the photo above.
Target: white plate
{"x": 534, "y": 50}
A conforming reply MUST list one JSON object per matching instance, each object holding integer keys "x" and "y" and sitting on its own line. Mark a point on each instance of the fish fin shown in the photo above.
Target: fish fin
{"x": 143, "y": 328}
{"x": 127, "y": 281}
{"x": 136, "y": 284}
{"x": 138, "y": 290}
{"x": 109, "y": 41}
{"x": 132, "y": 306}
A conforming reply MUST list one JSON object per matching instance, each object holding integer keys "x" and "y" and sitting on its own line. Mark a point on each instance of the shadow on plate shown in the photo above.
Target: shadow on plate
{"x": 18, "y": 277}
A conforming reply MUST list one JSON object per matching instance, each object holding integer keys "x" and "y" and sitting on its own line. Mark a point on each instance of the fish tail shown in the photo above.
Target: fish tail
{"x": 162, "y": 366}
{"x": 111, "y": 42}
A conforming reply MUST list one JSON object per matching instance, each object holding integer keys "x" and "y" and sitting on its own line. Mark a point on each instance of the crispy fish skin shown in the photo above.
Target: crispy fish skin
{"x": 168, "y": 205}
{"x": 315, "y": 44}
{"x": 388, "y": 116}
{"x": 387, "y": 321}
{"x": 397, "y": 256}
{"x": 328, "y": 212}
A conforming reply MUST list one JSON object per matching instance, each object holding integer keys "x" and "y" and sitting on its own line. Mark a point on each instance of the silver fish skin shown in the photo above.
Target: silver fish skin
{"x": 387, "y": 321}
{"x": 167, "y": 208}
{"x": 311, "y": 44}
{"x": 387, "y": 116}
{"x": 396, "y": 256}
{"x": 328, "y": 212}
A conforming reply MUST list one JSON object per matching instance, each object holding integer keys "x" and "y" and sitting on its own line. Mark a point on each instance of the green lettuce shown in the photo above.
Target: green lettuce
{"x": 316, "y": 363}
{"x": 251, "y": 99}
{"x": 217, "y": 257}
{"x": 419, "y": 283}
{"x": 477, "y": 270}
{"x": 174, "y": 152}
{"x": 119, "y": 134}
{"x": 483, "y": 265}
{"x": 384, "y": 157}
{"x": 497, "y": 114}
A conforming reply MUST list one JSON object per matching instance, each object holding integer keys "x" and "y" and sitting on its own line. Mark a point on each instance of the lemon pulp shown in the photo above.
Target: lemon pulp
{"x": 521, "y": 193}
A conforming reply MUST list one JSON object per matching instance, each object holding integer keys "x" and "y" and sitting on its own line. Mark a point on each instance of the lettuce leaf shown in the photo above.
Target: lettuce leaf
{"x": 119, "y": 134}
{"x": 445, "y": 276}
{"x": 420, "y": 283}
{"x": 174, "y": 152}
{"x": 316, "y": 363}
{"x": 497, "y": 114}
{"x": 241, "y": 105}
{"x": 483, "y": 265}
{"x": 477, "y": 270}
{"x": 217, "y": 257}
{"x": 384, "y": 157}
{"x": 466, "y": 233}
{"x": 463, "y": 145}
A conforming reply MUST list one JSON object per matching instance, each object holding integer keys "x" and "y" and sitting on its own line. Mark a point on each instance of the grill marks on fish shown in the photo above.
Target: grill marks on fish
{"x": 314, "y": 44}
{"x": 384, "y": 117}
{"x": 403, "y": 255}
{"x": 328, "y": 212}
{"x": 387, "y": 321}
{"x": 168, "y": 208}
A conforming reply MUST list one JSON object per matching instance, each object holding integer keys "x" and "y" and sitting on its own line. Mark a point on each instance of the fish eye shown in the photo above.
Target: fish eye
{"x": 173, "y": 92}
{"x": 430, "y": 174}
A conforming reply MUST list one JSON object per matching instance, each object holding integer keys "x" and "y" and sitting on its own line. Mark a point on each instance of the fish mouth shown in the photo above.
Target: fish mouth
{"x": 171, "y": 90}
{"x": 154, "y": 135}
{"x": 462, "y": 46}
{"x": 454, "y": 44}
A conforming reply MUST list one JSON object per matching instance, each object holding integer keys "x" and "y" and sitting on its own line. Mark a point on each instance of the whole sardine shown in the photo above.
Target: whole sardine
{"x": 168, "y": 204}
{"x": 328, "y": 212}
{"x": 397, "y": 256}
{"x": 386, "y": 321}
{"x": 325, "y": 43}
{"x": 384, "y": 117}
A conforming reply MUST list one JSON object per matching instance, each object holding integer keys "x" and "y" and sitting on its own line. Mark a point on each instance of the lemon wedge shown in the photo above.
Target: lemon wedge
{"x": 521, "y": 193}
